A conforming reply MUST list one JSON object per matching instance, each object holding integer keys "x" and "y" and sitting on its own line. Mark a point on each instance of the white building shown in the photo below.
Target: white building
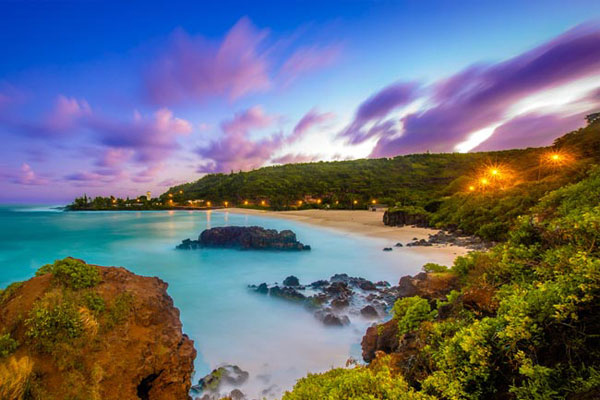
{"x": 148, "y": 196}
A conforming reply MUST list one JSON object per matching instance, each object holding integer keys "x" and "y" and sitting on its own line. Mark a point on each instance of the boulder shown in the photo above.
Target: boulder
{"x": 245, "y": 238}
{"x": 383, "y": 337}
{"x": 291, "y": 281}
{"x": 369, "y": 312}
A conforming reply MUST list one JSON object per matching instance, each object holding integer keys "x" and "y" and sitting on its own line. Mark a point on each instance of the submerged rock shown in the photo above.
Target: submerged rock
{"x": 245, "y": 238}
{"x": 227, "y": 374}
{"x": 369, "y": 312}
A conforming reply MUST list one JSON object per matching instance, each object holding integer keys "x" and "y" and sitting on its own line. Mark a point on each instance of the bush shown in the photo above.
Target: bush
{"x": 9, "y": 291}
{"x": 121, "y": 308}
{"x": 433, "y": 267}
{"x": 52, "y": 320}
{"x": 356, "y": 383}
{"x": 72, "y": 273}
{"x": 94, "y": 302}
{"x": 15, "y": 378}
{"x": 7, "y": 345}
{"x": 410, "y": 312}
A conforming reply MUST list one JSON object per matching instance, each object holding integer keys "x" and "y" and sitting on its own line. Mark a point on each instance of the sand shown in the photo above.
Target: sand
{"x": 365, "y": 223}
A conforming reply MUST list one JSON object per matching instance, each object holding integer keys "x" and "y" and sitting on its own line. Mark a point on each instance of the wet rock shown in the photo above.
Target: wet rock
{"x": 338, "y": 288}
{"x": 291, "y": 281}
{"x": 245, "y": 238}
{"x": 367, "y": 285}
{"x": 383, "y": 337}
{"x": 340, "y": 302}
{"x": 398, "y": 244}
{"x": 331, "y": 319}
{"x": 369, "y": 312}
{"x": 387, "y": 249}
{"x": 287, "y": 293}
{"x": 382, "y": 283}
{"x": 236, "y": 394}
{"x": 227, "y": 374}
{"x": 262, "y": 288}
{"x": 319, "y": 284}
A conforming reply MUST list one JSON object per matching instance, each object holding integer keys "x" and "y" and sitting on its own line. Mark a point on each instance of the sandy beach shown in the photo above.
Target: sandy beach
{"x": 365, "y": 223}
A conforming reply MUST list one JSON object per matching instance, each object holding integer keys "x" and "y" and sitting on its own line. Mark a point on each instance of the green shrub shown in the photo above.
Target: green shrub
{"x": 358, "y": 383}
{"x": 7, "y": 345}
{"x": 6, "y": 293}
{"x": 72, "y": 273}
{"x": 433, "y": 267}
{"x": 94, "y": 302}
{"x": 53, "y": 319}
{"x": 121, "y": 308}
{"x": 410, "y": 312}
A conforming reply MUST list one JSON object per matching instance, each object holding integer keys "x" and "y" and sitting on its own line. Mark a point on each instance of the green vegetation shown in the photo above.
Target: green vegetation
{"x": 358, "y": 383}
{"x": 7, "y": 345}
{"x": 525, "y": 322}
{"x": 72, "y": 273}
{"x": 7, "y": 292}
{"x": 410, "y": 312}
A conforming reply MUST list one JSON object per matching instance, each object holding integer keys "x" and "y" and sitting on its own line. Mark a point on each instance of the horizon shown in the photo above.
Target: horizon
{"x": 109, "y": 98}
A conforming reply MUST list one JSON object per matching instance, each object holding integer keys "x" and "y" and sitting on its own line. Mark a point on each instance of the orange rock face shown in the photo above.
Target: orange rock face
{"x": 131, "y": 351}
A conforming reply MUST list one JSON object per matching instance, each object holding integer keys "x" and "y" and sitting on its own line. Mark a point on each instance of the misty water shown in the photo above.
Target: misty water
{"x": 276, "y": 341}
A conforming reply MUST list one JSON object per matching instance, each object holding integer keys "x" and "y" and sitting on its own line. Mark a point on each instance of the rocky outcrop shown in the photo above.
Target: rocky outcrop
{"x": 116, "y": 336}
{"x": 220, "y": 381}
{"x": 384, "y": 337}
{"x": 452, "y": 238}
{"x": 245, "y": 238}
{"x": 401, "y": 218}
{"x": 335, "y": 301}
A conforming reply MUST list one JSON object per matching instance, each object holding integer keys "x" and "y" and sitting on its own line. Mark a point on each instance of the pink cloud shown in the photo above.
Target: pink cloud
{"x": 311, "y": 119}
{"x": 375, "y": 109}
{"x": 307, "y": 59}
{"x": 235, "y": 150}
{"x": 296, "y": 158}
{"x": 27, "y": 176}
{"x": 531, "y": 130}
{"x": 193, "y": 68}
{"x": 481, "y": 95}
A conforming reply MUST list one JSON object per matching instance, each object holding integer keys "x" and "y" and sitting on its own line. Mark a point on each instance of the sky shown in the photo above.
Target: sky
{"x": 120, "y": 98}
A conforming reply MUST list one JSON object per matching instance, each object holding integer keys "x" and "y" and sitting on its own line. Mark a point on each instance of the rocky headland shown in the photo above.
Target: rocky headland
{"x": 83, "y": 331}
{"x": 245, "y": 238}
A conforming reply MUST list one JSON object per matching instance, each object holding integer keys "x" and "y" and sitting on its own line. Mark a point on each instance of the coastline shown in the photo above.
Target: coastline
{"x": 367, "y": 224}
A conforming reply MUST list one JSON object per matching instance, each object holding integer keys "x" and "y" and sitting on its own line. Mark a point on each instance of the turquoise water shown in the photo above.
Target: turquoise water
{"x": 272, "y": 339}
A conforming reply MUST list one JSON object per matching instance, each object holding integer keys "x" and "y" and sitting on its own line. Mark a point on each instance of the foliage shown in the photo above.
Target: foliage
{"x": 120, "y": 310}
{"x": 358, "y": 383}
{"x": 410, "y": 312}
{"x": 7, "y": 345}
{"x": 94, "y": 302}
{"x": 72, "y": 273}
{"x": 53, "y": 319}
{"x": 16, "y": 375}
{"x": 540, "y": 339}
{"x": 433, "y": 267}
{"x": 6, "y": 293}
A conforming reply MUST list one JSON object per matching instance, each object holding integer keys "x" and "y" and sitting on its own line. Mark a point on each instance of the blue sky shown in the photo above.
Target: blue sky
{"x": 124, "y": 97}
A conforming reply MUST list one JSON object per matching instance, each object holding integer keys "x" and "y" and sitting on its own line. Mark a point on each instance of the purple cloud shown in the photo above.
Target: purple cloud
{"x": 151, "y": 139}
{"x": 481, "y": 95}
{"x": 310, "y": 120}
{"x": 296, "y": 158}
{"x": 308, "y": 59}
{"x": 27, "y": 176}
{"x": 375, "y": 109}
{"x": 530, "y": 130}
{"x": 235, "y": 150}
{"x": 193, "y": 68}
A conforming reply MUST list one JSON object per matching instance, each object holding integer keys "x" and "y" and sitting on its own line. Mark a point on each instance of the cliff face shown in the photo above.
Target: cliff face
{"x": 93, "y": 332}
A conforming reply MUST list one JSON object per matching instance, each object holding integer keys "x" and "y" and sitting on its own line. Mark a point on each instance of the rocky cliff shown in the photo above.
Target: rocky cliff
{"x": 88, "y": 332}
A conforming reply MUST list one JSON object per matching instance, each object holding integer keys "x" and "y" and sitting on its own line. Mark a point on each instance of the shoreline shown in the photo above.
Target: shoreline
{"x": 367, "y": 224}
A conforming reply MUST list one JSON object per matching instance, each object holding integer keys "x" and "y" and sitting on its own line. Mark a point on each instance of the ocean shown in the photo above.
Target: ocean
{"x": 276, "y": 341}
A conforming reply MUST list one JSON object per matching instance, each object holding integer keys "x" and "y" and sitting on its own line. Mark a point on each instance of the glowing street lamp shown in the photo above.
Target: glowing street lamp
{"x": 337, "y": 202}
{"x": 299, "y": 202}
{"x": 208, "y": 203}
{"x": 319, "y": 201}
{"x": 226, "y": 203}
{"x": 355, "y": 202}
{"x": 471, "y": 188}
{"x": 262, "y": 203}
{"x": 373, "y": 201}
{"x": 170, "y": 194}
{"x": 181, "y": 192}
{"x": 494, "y": 172}
{"x": 484, "y": 181}
{"x": 245, "y": 202}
